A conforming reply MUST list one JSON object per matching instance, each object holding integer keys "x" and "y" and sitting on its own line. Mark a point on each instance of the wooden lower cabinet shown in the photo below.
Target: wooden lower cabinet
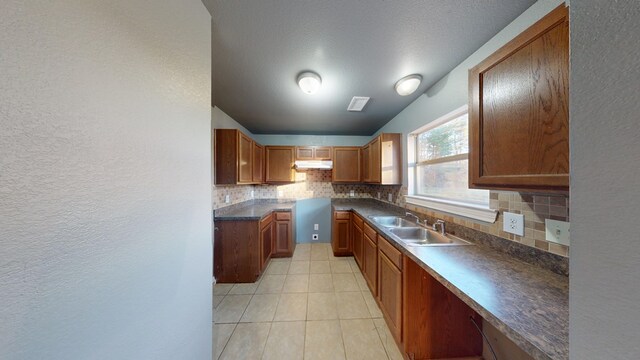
{"x": 370, "y": 270}
{"x": 436, "y": 322}
{"x": 357, "y": 240}
{"x": 236, "y": 251}
{"x": 341, "y": 233}
{"x": 284, "y": 241}
{"x": 266, "y": 241}
{"x": 390, "y": 286}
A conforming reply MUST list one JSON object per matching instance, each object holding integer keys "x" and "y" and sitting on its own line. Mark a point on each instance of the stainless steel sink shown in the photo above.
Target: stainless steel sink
{"x": 392, "y": 221}
{"x": 418, "y": 236}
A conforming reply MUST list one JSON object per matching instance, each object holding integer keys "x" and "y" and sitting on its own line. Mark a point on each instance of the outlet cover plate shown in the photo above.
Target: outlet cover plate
{"x": 513, "y": 223}
{"x": 314, "y": 237}
{"x": 352, "y": 193}
{"x": 557, "y": 231}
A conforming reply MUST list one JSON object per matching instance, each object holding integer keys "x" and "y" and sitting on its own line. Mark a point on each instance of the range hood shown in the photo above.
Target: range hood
{"x": 313, "y": 164}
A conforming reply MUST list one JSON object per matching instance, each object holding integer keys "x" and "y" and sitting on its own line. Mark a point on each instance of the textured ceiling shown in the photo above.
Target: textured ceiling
{"x": 359, "y": 48}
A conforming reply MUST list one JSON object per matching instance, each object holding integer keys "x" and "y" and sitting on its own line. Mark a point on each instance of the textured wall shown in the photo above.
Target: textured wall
{"x": 605, "y": 168}
{"x": 105, "y": 247}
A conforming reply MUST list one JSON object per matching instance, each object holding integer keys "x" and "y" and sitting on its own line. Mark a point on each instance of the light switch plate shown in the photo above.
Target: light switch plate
{"x": 557, "y": 231}
{"x": 253, "y": 194}
{"x": 226, "y": 199}
{"x": 513, "y": 223}
{"x": 316, "y": 226}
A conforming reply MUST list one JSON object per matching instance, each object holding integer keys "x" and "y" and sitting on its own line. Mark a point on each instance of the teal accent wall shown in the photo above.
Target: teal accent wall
{"x": 309, "y": 212}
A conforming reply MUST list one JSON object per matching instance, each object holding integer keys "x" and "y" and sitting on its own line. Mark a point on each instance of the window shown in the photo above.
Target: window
{"x": 439, "y": 168}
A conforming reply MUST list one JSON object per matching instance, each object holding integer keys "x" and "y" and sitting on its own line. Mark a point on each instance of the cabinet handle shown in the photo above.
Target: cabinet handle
{"x": 215, "y": 228}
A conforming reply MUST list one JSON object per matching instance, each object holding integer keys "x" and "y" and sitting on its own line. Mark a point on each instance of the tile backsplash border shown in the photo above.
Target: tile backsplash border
{"x": 317, "y": 184}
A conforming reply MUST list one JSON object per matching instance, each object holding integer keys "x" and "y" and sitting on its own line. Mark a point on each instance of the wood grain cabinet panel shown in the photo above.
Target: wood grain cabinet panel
{"x": 370, "y": 255}
{"x": 357, "y": 238}
{"x": 341, "y": 233}
{"x": 279, "y": 164}
{"x": 266, "y": 243}
{"x": 284, "y": 242}
{"x": 245, "y": 155}
{"x": 313, "y": 153}
{"x": 346, "y": 164}
{"x": 258, "y": 163}
{"x": 237, "y": 158}
{"x": 519, "y": 111}
{"x": 382, "y": 160}
{"x": 390, "y": 293}
{"x": 236, "y": 251}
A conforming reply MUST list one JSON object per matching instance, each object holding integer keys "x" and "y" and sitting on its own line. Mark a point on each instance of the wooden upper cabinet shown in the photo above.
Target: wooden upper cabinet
{"x": 519, "y": 111}
{"x": 382, "y": 160}
{"x": 237, "y": 158}
{"x": 279, "y": 164}
{"x": 313, "y": 153}
{"x": 258, "y": 163}
{"x": 346, "y": 164}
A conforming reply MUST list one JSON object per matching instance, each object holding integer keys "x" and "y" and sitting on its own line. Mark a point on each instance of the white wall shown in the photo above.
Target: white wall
{"x": 105, "y": 211}
{"x": 605, "y": 178}
{"x": 452, "y": 91}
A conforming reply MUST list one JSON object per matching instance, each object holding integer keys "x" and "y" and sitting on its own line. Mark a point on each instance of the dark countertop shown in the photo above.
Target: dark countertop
{"x": 529, "y": 304}
{"x": 252, "y": 210}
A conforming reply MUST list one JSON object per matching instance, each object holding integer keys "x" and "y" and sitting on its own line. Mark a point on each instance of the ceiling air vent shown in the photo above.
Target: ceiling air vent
{"x": 357, "y": 103}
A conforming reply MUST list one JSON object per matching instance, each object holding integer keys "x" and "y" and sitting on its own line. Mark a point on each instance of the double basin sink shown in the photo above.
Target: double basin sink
{"x": 413, "y": 234}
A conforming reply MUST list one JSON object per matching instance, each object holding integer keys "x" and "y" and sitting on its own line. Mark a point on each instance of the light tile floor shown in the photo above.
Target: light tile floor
{"x": 292, "y": 312}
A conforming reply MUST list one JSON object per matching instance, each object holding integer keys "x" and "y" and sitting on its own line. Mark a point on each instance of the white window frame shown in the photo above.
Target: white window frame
{"x": 466, "y": 209}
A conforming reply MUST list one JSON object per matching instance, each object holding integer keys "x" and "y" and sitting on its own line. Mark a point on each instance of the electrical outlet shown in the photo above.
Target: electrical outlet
{"x": 352, "y": 193}
{"x": 513, "y": 223}
{"x": 316, "y": 226}
{"x": 390, "y": 197}
{"x": 253, "y": 194}
{"x": 314, "y": 237}
{"x": 379, "y": 195}
{"x": 280, "y": 193}
{"x": 557, "y": 231}
{"x": 227, "y": 199}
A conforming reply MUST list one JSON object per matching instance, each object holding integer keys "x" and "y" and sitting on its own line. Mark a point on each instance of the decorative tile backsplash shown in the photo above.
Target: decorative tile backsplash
{"x": 317, "y": 184}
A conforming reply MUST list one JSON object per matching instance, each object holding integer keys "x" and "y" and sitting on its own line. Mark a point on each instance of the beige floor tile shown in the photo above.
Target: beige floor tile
{"x": 323, "y": 341}
{"x": 303, "y": 247}
{"x": 319, "y": 252}
{"x": 221, "y": 289}
{"x": 231, "y": 309}
{"x": 217, "y": 300}
{"x": 362, "y": 283}
{"x": 322, "y": 306}
{"x": 354, "y": 265}
{"x": 296, "y": 284}
{"x": 221, "y": 335}
{"x": 340, "y": 266}
{"x": 352, "y": 306}
{"x": 286, "y": 341}
{"x": 319, "y": 267}
{"x": 299, "y": 267}
{"x": 303, "y": 255}
{"x": 361, "y": 340}
{"x": 345, "y": 282}
{"x": 278, "y": 267}
{"x": 387, "y": 340}
{"x": 244, "y": 289}
{"x": 320, "y": 283}
{"x": 291, "y": 307}
{"x": 271, "y": 284}
{"x": 374, "y": 310}
{"x": 247, "y": 341}
{"x": 261, "y": 308}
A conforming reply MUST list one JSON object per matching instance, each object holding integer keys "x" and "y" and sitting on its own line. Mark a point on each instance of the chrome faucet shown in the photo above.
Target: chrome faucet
{"x": 413, "y": 215}
{"x": 442, "y": 226}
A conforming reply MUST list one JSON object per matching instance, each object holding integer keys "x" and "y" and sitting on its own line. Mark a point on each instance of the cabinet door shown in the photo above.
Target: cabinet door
{"x": 245, "y": 150}
{"x": 304, "y": 152}
{"x": 366, "y": 159}
{"x": 341, "y": 237}
{"x": 519, "y": 111}
{"x": 322, "y": 153}
{"x": 390, "y": 294}
{"x": 371, "y": 263}
{"x": 258, "y": 161}
{"x": 357, "y": 242}
{"x": 279, "y": 161}
{"x": 346, "y": 164}
{"x": 283, "y": 238}
{"x": 375, "y": 169}
{"x": 266, "y": 245}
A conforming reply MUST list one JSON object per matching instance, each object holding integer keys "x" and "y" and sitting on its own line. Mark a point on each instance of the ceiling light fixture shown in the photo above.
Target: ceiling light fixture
{"x": 309, "y": 82}
{"x": 408, "y": 84}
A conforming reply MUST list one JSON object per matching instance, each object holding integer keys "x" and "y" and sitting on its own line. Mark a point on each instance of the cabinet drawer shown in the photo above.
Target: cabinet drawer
{"x": 266, "y": 221}
{"x": 370, "y": 232}
{"x": 392, "y": 253}
{"x": 358, "y": 221}
{"x": 283, "y": 216}
{"x": 342, "y": 215}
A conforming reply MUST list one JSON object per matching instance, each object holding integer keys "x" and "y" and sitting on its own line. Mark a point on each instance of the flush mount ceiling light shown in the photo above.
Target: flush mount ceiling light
{"x": 309, "y": 82}
{"x": 408, "y": 84}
